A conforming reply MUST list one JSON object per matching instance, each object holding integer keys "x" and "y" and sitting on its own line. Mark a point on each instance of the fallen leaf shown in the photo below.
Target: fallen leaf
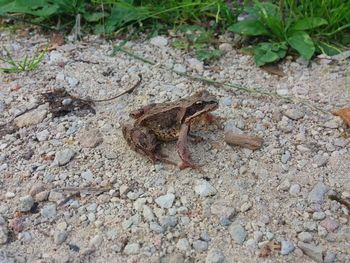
{"x": 268, "y": 248}
{"x": 56, "y": 40}
{"x": 273, "y": 69}
{"x": 245, "y": 141}
{"x": 344, "y": 114}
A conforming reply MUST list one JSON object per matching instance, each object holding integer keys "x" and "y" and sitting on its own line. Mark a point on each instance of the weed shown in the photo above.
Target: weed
{"x": 306, "y": 26}
{"x": 26, "y": 64}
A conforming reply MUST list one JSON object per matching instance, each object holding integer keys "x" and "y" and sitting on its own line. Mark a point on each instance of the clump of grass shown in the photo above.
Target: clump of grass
{"x": 25, "y": 64}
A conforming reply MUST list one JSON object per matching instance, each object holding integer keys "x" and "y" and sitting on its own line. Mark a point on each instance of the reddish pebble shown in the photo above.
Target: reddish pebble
{"x": 330, "y": 224}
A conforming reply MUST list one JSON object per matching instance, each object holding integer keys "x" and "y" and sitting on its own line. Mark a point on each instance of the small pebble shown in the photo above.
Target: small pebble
{"x": 238, "y": 233}
{"x": 286, "y": 247}
{"x": 26, "y": 203}
{"x": 132, "y": 249}
{"x": 204, "y": 189}
{"x": 200, "y": 245}
{"x": 215, "y": 256}
{"x": 165, "y": 201}
{"x": 305, "y": 237}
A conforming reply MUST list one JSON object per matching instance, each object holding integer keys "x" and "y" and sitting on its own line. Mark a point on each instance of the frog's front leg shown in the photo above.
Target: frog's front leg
{"x": 182, "y": 148}
{"x": 144, "y": 142}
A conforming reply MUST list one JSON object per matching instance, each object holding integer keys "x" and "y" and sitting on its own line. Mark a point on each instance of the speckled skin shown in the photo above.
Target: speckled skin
{"x": 162, "y": 122}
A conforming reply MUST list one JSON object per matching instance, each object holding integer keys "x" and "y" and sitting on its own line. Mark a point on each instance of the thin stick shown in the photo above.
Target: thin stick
{"x": 222, "y": 84}
{"x": 82, "y": 189}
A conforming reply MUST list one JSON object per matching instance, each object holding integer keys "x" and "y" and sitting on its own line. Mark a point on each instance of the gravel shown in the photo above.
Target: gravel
{"x": 26, "y": 203}
{"x": 215, "y": 256}
{"x": 286, "y": 247}
{"x": 204, "y": 189}
{"x": 165, "y": 201}
{"x": 238, "y": 233}
{"x": 73, "y": 190}
{"x": 314, "y": 252}
{"x": 317, "y": 193}
{"x": 63, "y": 157}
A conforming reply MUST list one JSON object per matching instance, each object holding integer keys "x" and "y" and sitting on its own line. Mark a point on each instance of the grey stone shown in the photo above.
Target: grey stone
{"x": 294, "y": 114}
{"x": 67, "y": 101}
{"x": 286, "y": 247}
{"x": 173, "y": 258}
{"x": 168, "y": 221}
{"x": 73, "y": 82}
{"x": 340, "y": 142}
{"x": 314, "y": 252}
{"x": 25, "y": 203}
{"x": 294, "y": 189}
{"x": 344, "y": 232}
{"x": 90, "y": 138}
{"x": 332, "y": 124}
{"x": 148, "y": 213}
{"x": 25, "y": 236}
{"x": 238, "y": 233}
{"x": 43, "y": 135}
{"x": 320, "y": 160}
{"x": 200, "y": 245}
{"x": 63, "y": 157}
{"x": 96, "y": 241}
{"x": 318, "y": 215}
{"x": 195, "y": 64}
{"x": 204, "y": 189}
{"x": 215, "y": 256}
{"x": 92, "y": 207}
{"x": 31, "y": 118}
{"x": 183, "y": 244}
{"x": 3, "y": 231}
{"x": 329, "y": 257}
{"x": 317, "y": 193}
{"x": 88, "y": 176}
{"x": 227, "y": 101}
{"x": 132, "y": 249}
{"x": 156, "y": 228}
{"x": 180, "y": 68}
{"x": 286, "y": 157}
{"x": 305, "y": 237}
{"x": 59, "y": 237}
{"x": 56, "y": 196}
{"x": 165, "y": 201}
{"x": 49, "y": 211}
{"x": 159, "y": 41}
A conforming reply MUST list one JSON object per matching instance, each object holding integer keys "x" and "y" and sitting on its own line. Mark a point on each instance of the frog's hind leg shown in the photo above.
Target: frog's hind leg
{"x": 183, "y": 150}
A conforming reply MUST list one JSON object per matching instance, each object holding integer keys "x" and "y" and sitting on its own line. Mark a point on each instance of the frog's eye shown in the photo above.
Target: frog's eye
{"x": 199, "y": 102}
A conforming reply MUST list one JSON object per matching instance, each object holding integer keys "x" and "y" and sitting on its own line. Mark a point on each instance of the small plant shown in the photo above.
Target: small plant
{"x": 26, "y": 64}
{"x": 199, "y": 39}
{"x": 306, "y": 26}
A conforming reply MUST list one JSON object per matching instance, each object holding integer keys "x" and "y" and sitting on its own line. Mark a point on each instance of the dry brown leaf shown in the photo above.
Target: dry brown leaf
{"x": 268, "y": 248}
{"x": 273, "y": 69}
{"x": 56, "y": 40}
{"x": 344, "y": 114}
{"x": 243, "y": 140}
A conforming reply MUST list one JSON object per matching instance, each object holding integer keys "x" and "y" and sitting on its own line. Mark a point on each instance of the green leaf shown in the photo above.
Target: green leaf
{"x": 206, "y": 54}
{"x": 308, "y": 23}
{"x": 94, "y": 17}
{"x": 302, "y": 43}
{"x": 269, "y": 52}
{"x": 249, "y": 27}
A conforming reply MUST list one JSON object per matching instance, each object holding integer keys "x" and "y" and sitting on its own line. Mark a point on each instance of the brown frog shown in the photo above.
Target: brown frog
{"x": 169, "y": 121}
